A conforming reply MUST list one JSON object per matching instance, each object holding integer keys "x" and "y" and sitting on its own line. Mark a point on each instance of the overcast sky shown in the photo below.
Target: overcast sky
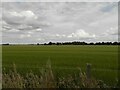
{"x": 40, "y": 22}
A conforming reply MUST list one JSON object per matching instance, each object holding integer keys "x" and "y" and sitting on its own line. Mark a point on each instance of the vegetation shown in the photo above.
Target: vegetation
{"x": 64, "y": 59}
{"x": 75, "y": 43}
{"x": 46, "y": 79}
{"x": 81, "y": 43}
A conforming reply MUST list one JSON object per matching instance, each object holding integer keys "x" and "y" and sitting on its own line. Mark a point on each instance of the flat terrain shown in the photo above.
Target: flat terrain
{"x": 64, "y": 59}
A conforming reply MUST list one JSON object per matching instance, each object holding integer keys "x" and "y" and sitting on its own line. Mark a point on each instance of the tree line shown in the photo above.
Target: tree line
{"x": 81, "y": 43}
{"x": 73, "y": 43}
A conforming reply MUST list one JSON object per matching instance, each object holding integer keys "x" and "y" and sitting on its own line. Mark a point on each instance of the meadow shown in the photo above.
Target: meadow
{"x": 65, "y": 59}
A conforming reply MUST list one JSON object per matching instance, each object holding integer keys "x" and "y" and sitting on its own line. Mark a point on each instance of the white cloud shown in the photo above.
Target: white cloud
{"x": 113, "y": 31}
{"x": 6, "y": 27}
{"x": 60, "y": 35}
{"x": 24, "y": 27}
{"x": 25, "y": 36}
{"x": 110, "y": 34}
{"x": 39, "y": 29}
{"x": 41, "y": 39}
{"x": 13, "y": 30}
{"x": 81, "y": 34}
{"x": 23, "y": 20}
{"x": 30, "y": 32}
{"x": 26, "y": 14}
{"x": 110, "y": 31}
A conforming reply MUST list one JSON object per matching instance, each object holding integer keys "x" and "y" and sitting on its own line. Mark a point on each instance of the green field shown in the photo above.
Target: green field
{"x": 64, "y": 59}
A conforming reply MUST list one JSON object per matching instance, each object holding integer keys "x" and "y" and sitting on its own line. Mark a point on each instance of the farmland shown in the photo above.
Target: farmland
{"x": 64, "y": 59}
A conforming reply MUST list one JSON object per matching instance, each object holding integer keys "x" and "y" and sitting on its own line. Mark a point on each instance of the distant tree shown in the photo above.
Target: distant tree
{"x": 115, "y": 43}
{"x": 109, "y": 43}
{"x": 38, "y": 44}
{"x": 53, "y": 43}
{"x": 6, "y": 44}
{"x": 50, "y": 43}
{"x": 45, "y": 43}
{"x": 102, "y": 43}
{"x": 58, "y": 43}
{"x": 97, "y": 43}
{"x": 91, "y": 43}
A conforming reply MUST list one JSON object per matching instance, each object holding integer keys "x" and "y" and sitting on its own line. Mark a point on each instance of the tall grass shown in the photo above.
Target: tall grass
{"x": 46, "y": 79}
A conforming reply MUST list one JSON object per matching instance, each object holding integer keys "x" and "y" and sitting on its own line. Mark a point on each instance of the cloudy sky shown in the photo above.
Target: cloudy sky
{"x": 33, "y": 22}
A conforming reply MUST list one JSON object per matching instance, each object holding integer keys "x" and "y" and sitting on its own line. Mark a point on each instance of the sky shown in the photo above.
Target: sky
{"x": 43, "y": 22}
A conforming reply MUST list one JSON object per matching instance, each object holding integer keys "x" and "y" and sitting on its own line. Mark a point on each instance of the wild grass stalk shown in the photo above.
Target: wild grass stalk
{"x": 46, "y": 79}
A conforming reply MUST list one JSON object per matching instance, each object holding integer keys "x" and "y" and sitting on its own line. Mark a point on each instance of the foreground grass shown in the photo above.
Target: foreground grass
{"x": 65, "y": 60}
{"x": 46, "y": 79}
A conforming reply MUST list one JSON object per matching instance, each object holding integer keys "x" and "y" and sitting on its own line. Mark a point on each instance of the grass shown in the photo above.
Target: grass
{"x": 46, "y": 79}
{"x": 64, "y": 59}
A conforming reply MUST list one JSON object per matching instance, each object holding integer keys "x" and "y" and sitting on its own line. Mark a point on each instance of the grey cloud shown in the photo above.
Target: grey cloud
{"x": 52, "y": 21}
{"x": 23, "y": 18}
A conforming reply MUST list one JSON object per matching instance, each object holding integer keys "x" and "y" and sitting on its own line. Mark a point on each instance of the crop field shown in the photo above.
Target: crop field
{"x": 64, "y": 59}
